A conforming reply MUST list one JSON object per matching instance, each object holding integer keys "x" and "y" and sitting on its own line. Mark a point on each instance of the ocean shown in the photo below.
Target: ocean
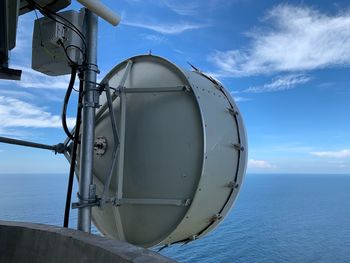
{"x": 276, "y": 218}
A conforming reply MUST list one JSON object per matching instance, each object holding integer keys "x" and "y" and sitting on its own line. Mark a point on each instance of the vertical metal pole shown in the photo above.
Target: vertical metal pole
{"x": 90, "y": 103}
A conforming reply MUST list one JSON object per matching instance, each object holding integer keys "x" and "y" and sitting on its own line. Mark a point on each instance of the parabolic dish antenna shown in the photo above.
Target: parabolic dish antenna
{"x": 179, "y": 151}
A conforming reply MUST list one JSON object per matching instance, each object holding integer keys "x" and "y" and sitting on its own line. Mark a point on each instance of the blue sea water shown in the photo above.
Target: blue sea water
{"x": 277, "y": 218}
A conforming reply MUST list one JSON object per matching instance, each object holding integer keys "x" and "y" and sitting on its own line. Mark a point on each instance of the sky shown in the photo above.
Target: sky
{"x": 286, "y": 63}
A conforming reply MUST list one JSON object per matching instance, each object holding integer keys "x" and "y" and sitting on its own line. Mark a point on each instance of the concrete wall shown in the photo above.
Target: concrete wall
{"x": 38, "y": 243}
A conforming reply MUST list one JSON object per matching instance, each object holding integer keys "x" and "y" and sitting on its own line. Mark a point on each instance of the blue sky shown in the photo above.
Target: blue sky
{"x": 285, "y": 63}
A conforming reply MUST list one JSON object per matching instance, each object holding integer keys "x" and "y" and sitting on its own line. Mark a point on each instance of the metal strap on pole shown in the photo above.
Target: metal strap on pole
{"x": 90, "y": 103}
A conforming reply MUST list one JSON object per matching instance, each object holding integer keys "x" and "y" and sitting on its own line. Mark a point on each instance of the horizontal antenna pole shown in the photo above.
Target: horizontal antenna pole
{"x": 58, "y": 148}
{"x": 101, "y": 10}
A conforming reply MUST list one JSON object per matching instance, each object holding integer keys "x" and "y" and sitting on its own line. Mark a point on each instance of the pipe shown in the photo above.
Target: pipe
{"x": 90, "y": 103}
{"x": 73, "y": 157}
{"x": 101, "y": 10}
{"x": 58, "y": 148}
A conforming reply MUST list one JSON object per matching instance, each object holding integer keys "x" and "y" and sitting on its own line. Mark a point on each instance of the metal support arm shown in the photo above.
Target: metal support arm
{"x": 58, "y": 148}
{"x": 115, "y": 147}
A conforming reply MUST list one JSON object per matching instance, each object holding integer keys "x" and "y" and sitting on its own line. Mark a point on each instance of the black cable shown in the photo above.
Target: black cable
{"x": 73, "y": 27}
{"x": 65, "y": 49}
{"x": 73, "y": 156}
{"x": 65, "y": 103}
{"x": 50, "y": 14}
{"x": 80, "y": 50}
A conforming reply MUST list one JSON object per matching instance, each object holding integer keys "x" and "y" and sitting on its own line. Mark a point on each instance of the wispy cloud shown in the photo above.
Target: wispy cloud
{"x": 333, "y": 154}
{"x": 154, "y": 38}
{"x": 326, "y": 85}
{"x": 24, "y": 34}
{"x": 238, "y": 98}
{"x": 17, "y": 113}
{"x": 297, "y": 38}
{"x": 241, "y": 99}
{"x": 166, "y": 29}
{"x": 281, "y": 83}
{"x": 292, "y": 148}
{"x": 15, "y": 93}
{"x": 33, "y": 79}
{"x": 185, "y": 8}
{"x": 340, "y": 164}
{"x": 260, "y": 164}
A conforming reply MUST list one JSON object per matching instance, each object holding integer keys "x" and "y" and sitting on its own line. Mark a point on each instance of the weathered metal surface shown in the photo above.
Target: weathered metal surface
{"x": 38, "y": 243}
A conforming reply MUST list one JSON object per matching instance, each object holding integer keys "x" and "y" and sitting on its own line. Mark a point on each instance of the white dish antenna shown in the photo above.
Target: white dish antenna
{"x": 171, "y": 163}
{"x": 169, "y": 148}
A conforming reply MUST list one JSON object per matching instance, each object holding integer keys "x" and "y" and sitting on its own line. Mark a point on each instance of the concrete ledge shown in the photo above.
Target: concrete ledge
{"x": 38, "y": 243}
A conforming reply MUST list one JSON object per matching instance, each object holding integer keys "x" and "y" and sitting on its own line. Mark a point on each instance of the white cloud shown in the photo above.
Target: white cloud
{"x": 260, "y": 164}
{"x": 281, "y": 83}
{"x": 154, "y": 38}
{"x": 340, "y": 164}
{"x": 326, "y": 84}
{"x": 183, "y": 7}
{"x": 24, "y": 34}
{"x": 290, "y": 148}
{"x": 179, "y": 51}
{"x": 241, "y": 99}
{"x": 33, "y": 79}
{"x": 17, "y": 113}
{"x": 296, "y": 39}
{"x": 167, "y": 29}
{"x": 333, "y": 154}
{"x": 196, "y": 8}
{"x": 14, "y": 93}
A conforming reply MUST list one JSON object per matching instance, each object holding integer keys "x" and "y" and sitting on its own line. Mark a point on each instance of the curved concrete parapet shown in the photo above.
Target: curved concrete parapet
{"x": 38, "y": 243}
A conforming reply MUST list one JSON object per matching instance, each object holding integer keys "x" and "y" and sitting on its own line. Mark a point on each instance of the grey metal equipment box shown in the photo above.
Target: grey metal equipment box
{"x": 52, "y": 38}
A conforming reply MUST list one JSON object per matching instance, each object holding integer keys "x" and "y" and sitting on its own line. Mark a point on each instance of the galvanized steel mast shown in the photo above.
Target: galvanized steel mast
{"x": 90, "y": 103}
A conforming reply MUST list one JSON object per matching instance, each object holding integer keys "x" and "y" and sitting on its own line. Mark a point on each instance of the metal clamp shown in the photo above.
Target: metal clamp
{"x": 216, "y": 217}
{"x": 232, "y": 112}
{"x": 92, "y": 67}
{"x": 187, "y": 88}
{"x": 238, "y": 147}
{"x": 91, "y": 204}
{"x": 91, "y": 105}
{"x": 232, "y": 185}
{"x": 100, "y": 146}
{"x": 86, "y": 202}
